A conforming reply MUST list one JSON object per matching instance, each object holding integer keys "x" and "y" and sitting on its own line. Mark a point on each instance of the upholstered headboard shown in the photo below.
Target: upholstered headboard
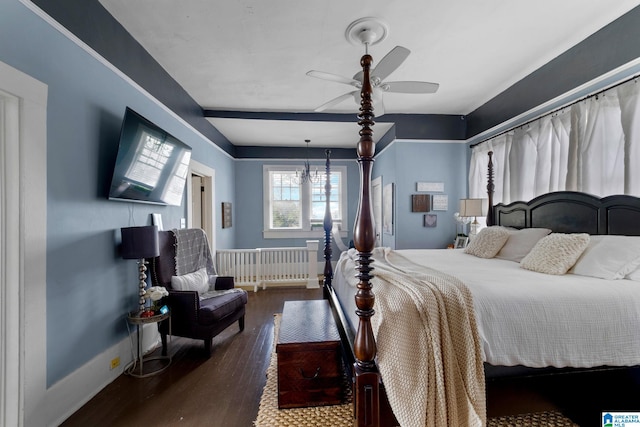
{"x": 573, "y": 212}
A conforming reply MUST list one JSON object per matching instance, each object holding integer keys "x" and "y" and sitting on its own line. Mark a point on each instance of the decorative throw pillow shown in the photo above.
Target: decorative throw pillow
{"x": 555, "y": 253}
{"x": 612, "y": 257}
{"x": 196, "y": 281}
{"x": 487, "y": 242}
{"x": 521, "y": 242}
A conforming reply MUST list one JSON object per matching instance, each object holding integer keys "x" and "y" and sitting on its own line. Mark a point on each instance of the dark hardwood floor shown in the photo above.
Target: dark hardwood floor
{"x": 225, "y": 389}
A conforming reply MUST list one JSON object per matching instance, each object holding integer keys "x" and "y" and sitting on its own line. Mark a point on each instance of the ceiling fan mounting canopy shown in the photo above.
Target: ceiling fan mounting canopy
{"x": 370, "y": 31}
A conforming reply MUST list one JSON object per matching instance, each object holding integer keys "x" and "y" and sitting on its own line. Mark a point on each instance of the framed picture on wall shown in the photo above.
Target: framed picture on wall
{"x": 226, "y": 215}
{"x": 420, "y": 203}
{"x": 430, "y": 220}
{"x": 440, "y": 202}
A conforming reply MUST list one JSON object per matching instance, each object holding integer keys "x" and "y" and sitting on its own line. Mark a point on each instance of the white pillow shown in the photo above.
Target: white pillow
{"x": 555, "y": 253}
{"x": 611, "y": 257}
{"x": 487, "y": 242}
{"x": 196, "y": 281}
{"x": 521, "y": 242}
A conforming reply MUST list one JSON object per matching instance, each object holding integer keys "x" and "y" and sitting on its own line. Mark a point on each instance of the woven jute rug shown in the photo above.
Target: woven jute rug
{"x": 342, "y": 415}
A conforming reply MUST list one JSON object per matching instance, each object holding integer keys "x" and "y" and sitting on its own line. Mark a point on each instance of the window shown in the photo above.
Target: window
{"x": 297, "y": 210}
{"x": 318, "y": 198}
{"x": 286, "y": 201}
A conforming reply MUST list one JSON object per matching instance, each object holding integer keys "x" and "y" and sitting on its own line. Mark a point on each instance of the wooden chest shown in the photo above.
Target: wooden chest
{"x": 309, "y": 357}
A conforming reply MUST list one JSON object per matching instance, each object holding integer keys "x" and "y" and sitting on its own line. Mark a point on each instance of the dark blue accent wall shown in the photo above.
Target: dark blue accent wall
{"x": 613, "y": 46}
{"x": 91, "y": 22}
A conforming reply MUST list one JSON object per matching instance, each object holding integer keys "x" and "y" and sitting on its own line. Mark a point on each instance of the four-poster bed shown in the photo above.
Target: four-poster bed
{"x": 561, "y": 212}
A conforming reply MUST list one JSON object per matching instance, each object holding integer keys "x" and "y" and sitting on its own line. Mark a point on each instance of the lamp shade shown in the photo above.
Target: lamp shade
{"x": 140, "y": 242}
{"x": 473, "y": 207}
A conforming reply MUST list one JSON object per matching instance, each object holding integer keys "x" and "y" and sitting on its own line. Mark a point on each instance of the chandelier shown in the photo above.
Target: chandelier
{"x": 306, "y": 175}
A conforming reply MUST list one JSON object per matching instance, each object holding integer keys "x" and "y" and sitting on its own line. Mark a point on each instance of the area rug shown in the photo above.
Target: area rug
{"x": 342, "y": 415}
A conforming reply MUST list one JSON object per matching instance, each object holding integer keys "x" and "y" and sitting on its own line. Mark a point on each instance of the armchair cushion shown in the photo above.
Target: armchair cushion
{"x": 197, "y": 281}
{"x": 214, "y": 309}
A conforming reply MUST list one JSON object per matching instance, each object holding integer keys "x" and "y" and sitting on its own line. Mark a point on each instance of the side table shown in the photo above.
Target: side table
{"x": 136, "y": 369}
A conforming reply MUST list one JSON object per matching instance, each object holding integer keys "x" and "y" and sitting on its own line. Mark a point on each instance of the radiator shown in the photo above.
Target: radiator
{"x": 261, "y": 266}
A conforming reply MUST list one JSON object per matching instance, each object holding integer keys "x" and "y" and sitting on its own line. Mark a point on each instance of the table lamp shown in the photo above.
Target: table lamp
{"x": 140, "y": 243}
{"x": 473, "y": 208}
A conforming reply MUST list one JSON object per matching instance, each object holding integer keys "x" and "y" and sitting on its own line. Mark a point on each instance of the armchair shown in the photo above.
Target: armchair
{"x": 198, "y": 314}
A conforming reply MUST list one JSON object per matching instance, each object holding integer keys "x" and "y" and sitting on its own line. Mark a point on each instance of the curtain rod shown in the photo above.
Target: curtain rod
{"x": 596, "y": 94}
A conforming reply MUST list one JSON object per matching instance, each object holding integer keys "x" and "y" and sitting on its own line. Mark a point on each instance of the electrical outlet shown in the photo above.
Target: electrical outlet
{"x": 115, "y": 362}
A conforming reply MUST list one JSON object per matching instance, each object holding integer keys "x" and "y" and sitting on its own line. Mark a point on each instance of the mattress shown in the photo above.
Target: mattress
{"x": 533, "y": 319}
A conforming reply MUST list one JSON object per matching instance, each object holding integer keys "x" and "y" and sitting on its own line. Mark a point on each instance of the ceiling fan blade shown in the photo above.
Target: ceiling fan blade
{"x": 332, "y": 77}
{"x": 410, "y": 87}
{"x": 335, "y": 101}
{"x": 390, "y": 62}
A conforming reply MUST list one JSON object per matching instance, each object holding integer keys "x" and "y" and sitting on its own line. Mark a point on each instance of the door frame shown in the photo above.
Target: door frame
{"x": 208, "y": 176}
{"x": 23, "y": 248}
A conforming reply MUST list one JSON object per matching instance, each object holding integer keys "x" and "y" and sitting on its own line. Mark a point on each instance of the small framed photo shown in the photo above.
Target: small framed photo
{"x": 461, "y": 242}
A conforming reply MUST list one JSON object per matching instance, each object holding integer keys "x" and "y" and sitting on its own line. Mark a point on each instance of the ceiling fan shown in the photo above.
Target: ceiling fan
{"x": 370, "y": 31}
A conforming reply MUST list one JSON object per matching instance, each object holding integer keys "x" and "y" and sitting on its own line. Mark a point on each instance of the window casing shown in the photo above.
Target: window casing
{"x": 297, "y": 210}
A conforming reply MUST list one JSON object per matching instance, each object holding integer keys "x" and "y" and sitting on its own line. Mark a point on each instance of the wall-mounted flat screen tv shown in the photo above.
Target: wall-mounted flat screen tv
{"x": 151, "y": 166}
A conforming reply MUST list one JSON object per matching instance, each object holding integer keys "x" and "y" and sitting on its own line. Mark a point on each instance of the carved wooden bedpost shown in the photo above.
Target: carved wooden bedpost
{"x": 327, "y": 225}
{"x": 490, "y": 188}
{"x": 366, "y": 380}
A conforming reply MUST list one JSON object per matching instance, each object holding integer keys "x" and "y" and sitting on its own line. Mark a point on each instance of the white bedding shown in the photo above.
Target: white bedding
{"x": 535, "y": 319}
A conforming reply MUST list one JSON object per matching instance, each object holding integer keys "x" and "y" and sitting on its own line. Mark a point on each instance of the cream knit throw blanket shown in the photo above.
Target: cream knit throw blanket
{"x": 429, "y": 351}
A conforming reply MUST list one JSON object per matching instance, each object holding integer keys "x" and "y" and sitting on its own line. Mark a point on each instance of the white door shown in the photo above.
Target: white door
{"x": 376, "y": 190}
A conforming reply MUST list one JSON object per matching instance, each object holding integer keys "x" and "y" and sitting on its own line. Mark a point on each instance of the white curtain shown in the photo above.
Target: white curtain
{"x": 592, "y": 146}
{"x": 552, "y": 152}
{"x": 478, "y": 178}
{"x": 596, "y": 162}
{"x": 629, "y": 96}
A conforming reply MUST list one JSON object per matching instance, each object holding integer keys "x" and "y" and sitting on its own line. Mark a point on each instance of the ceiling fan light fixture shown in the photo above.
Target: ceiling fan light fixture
{"x": 376, "y": 96}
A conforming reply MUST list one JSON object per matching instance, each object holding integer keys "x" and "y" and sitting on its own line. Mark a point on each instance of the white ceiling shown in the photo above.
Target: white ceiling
{"x": 253, "y": 55}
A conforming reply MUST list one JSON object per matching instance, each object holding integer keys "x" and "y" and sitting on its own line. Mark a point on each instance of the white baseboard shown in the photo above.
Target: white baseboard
{"x": 68, "y": 395}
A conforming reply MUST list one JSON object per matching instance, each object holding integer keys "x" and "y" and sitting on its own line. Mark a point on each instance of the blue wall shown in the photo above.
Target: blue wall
{"x": 89, "y": 287}
{"x": 248, "y": 208}
{"x": 407, "y": 163}
{"x": 403, "y": 163}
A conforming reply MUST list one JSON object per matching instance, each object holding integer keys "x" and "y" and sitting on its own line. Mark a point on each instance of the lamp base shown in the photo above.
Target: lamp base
{"x": 473, "y": 227}
{"x": 142, "y": 284}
